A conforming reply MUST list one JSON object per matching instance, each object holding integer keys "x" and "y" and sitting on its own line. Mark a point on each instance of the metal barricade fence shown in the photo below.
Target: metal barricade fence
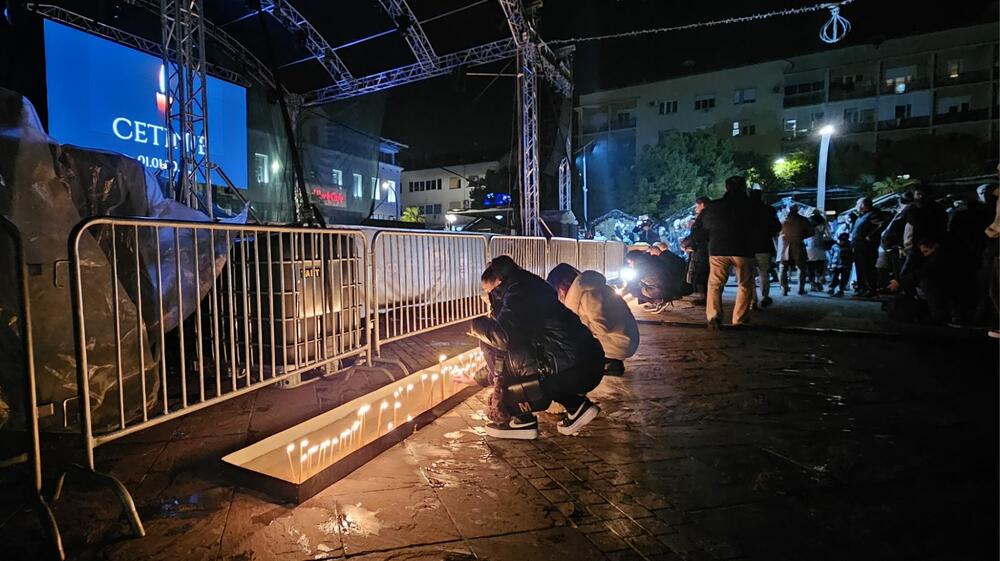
{"x": 591, "y": 255}
{"x": 562, "y": 250}
{"x": 614, "y": 259}
{"x": 14, "y": 283}
{"x": 529, "y": 253}
{"x": 424, "y": 281}
{"x": 172, "y": 317}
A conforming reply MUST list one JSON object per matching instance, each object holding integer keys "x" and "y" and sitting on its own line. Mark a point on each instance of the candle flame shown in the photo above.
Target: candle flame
{"x": 388, "y": 426}
{"x": 304, "y": 443}
{"x": 290, "y": 448}
{"x": 423, "y": 377}
{"x": 397, "y": 405}
{"x": 385, "y": 405}
{"x": 303, "y": 458}
{"x": 334, "y": 441}
{"x": 434, "y": 377}
{"x": 409, "y": 387}
{"x": 442, "y": 358}
{"x": 355, "y": 426}
{"x": 364, "y": 409}
{"x": 409, "y": 418}
{"x": 313, "y": 449}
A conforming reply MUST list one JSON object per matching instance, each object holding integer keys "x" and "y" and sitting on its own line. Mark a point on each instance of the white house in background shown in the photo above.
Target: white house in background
{"x": 435, "y": 191}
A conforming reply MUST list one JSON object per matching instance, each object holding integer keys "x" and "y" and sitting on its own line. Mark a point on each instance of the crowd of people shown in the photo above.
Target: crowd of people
{"x": 554, "y": 339}
{"x": 930, "y": 260}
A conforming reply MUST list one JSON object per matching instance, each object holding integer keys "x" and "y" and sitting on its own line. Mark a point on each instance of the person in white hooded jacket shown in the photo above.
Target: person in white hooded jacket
{"x": 602, "y": 310}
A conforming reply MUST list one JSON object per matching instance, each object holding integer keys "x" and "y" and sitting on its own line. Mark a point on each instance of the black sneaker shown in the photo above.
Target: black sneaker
{"x": 802, "y": 292}
{"x": 515, "y": 429}
{"x": 766, "y": 301}
{"x": 572, "y": 422}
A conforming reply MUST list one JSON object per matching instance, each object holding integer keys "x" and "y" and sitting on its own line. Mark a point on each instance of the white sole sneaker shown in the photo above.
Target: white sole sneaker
{"x": 512, "y": 434}
{"x": 583, "y": 420}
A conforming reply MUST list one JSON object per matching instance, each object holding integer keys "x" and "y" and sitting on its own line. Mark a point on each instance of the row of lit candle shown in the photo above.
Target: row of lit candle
{"x": 313, "y": 458}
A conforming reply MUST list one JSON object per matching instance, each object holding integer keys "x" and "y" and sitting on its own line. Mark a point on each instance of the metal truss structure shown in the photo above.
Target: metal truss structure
{"x": 184, "y": 91}
{"x": 408, "y": 24}
{"x": 534, "y": 59}
{"x": 439, "y": 66}
{"x": 566, "y": 178}
{"x": 84, "y": 23}
{"x": 289, "y": 17}
{"x": 184, "y": 31}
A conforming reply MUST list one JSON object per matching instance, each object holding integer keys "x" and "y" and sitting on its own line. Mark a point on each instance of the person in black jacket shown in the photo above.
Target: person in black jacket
{"x": 765, "y": 227}
{"x": 729, "y": 222}
{"x": 532, "y": 342}
{"x": 696, "y": 246}
{"x": 937, "y": 277}
{"x": 866, "y": 235}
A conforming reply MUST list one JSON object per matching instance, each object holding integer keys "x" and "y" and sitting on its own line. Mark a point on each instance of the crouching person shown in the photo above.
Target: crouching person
{"x": 537, "y": 351}
{"x": 608, "y": 317}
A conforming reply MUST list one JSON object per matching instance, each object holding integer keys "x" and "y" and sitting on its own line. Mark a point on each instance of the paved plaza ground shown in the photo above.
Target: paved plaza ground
{"x": 771, "y": 442}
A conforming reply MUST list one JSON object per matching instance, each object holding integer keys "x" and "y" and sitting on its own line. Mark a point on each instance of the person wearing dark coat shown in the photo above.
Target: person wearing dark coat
{"x": 937, "y": 277}
{"x": 841, "y": 261}
{"x": 536, "y": 350}
{"x": 728, "y": 222}
{"x": 795, "y": 230}
{"x": 765, "y": 227}
{"x": 696, "y": 246}
{"x": 657, "y": 281}
{"x": 865, "y": 237}
{"x": 927, "y": 219}
{"x": 644, "y": 233}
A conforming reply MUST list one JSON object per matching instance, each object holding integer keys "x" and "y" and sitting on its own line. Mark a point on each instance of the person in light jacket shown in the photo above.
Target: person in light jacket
{"x": 608, "y": 317}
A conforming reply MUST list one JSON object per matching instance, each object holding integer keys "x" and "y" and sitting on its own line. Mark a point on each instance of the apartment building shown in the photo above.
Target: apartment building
{"x": 940, "y": 83}
{"x": 435, "y": 191}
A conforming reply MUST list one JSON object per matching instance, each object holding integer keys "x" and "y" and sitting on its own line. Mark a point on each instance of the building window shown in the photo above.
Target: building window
{"x": 437, "y": 209}
{"x": 743, "y": 129}
{"x": 851, "y": 115}
{"x": 745, "y": 95}
{"x": 390, "y": 192}
{"x": 954, "y": 68}
{"x": 262, "y": 171}
{"x": 791, "y": 125}
{"x": 668, "y": 107}
{"x": 438, "y": 184}
{"x": 358, "y": 186}
{"x": 454, "y": 183}
{"x": 337, "y": 177}
{"x": 904, "y": 111}
{"x": 704, "y": 102}
{"x": 375, "y": 194}
{"x": 897, "y": 79}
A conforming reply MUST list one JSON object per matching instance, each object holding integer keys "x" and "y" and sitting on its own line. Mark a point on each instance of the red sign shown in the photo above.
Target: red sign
{"x": 330, "y": 197}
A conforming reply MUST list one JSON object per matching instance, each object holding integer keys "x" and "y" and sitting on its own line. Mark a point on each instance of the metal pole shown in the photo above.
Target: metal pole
{"x": 824, "y": 150}
{"x": 586, "y": 221}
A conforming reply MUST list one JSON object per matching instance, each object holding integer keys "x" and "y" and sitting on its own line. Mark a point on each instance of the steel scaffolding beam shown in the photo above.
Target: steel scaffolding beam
{"x": 84, "y": 23}
{"x": 408, "y": 24}
{"x": 184, "y": 95}
{"x": 441, "y": 65}
{"x": 314, "y": 42}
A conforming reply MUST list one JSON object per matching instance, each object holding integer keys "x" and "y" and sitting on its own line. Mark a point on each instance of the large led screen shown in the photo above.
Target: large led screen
{"x": 105, "y": 95}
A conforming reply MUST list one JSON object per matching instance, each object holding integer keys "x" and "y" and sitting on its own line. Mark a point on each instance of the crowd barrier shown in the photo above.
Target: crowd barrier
{"x": 424, "y": 281}
{"x": 171, "y": 317}
{"x": 201, "y": 313}
{"x": 14, "y": 283}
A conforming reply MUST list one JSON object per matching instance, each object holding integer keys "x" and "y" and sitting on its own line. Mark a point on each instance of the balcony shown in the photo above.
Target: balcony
{"x": 855, "y": 128}
{"x": 961, "y": 116}
{"x": 620, "y": 124}
{"x": 595, "y": 128}
{"x": 840, "y": 92}
{"x": 811, "y": 98}
{"x": 964, "y": 77}
{"x": 913, "y": 84}
{"x": 904, "y": 123}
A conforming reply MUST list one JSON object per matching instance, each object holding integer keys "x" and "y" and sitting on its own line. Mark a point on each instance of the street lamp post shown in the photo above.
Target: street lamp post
{"x": 824, "y": 151}
{"x": 385, "y": 187}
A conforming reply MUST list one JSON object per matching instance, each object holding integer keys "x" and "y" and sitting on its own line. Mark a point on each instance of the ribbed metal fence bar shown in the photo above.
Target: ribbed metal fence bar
{"x": 530, "y": 254}
{"x": 591, "y": 256}
{"x": 562, "y": 250}
{"x": 297, "y": 335}
{"x": 22, "y": 314}
{"x": 614, "y": 259}
{"x": 423, "y": 281}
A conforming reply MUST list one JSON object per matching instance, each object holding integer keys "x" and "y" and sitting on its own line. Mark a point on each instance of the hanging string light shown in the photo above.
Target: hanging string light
{"x": 835, "y": 29}
{"x": 837, "y": 24}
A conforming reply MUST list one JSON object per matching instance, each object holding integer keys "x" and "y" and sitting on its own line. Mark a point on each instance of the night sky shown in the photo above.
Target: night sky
{"x": 460, "y": 116}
